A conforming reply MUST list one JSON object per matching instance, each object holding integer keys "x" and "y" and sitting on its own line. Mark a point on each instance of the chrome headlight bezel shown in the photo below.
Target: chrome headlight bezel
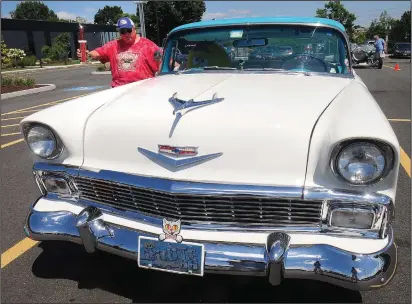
{"x": 59, "y": 146}
{"x": 386, "y": 150}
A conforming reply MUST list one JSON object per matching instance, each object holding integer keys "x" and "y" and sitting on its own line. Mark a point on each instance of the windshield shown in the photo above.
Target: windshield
{"x": 269, "y": 47}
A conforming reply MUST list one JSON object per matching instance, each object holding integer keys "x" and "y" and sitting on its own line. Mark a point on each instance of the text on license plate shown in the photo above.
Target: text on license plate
{"x": 184, "y": 258}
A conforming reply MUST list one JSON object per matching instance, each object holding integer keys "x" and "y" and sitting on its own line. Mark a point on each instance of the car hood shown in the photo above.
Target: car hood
{"x": 262, "y": 126}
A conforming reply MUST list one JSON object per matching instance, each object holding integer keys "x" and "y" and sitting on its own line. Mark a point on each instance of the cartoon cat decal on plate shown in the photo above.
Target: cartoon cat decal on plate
{"x": 171, "y": 230}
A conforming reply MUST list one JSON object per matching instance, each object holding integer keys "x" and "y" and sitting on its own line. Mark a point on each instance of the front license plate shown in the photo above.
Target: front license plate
{"x": 184, "y": 258}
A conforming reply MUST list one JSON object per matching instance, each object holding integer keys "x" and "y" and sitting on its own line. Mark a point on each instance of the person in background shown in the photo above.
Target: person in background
{"x": 132, "y": 58}
{"x": 380, "y": 50}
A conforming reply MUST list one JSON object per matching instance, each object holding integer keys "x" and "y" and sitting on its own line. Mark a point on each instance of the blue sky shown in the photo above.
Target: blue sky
{"x": 365, "y": 11}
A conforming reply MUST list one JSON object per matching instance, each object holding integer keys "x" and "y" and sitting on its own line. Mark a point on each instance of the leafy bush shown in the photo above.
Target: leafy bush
{"x": 15, "y": 54}
{"x": 59, "y": 49}
{"x": 18, "y": 81}
{"x": 46, "y": 60}
{"x": 6, "y": 81}
{"x": 101, "y": 68}
{"x": 5, "y": 61}
{"x": 27, "y": 61}
{"x": 29, "y": 81}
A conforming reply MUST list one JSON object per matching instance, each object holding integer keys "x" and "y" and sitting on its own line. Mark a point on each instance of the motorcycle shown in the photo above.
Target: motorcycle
{"x": 364, "y": 56}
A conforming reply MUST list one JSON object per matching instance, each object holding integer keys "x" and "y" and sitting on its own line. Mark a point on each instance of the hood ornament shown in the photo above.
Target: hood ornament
{"x": 184, "y": 106}
{"x": 181, "y": 107}
{"x": 176, "y": 162}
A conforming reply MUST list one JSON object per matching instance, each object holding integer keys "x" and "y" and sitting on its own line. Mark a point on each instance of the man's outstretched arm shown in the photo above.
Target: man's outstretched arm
{"x": 93, "y": 54}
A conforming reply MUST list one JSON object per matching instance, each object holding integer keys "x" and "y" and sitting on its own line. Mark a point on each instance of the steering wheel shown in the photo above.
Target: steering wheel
{"x": 302, "y": 65}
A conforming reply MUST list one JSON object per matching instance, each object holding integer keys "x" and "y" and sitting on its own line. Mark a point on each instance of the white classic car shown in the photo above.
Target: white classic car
{"x": 284, "y": 168}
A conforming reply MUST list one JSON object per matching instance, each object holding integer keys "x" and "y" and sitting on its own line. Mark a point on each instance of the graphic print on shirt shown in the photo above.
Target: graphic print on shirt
{"x": 126, "y": 61}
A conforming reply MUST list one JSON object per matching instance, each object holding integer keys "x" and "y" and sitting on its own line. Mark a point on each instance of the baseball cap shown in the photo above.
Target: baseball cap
{"x": 124, "y": 22}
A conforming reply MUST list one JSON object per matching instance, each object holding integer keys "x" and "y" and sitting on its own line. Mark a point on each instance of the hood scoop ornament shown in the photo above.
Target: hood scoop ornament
{"x": 182, "y": 107}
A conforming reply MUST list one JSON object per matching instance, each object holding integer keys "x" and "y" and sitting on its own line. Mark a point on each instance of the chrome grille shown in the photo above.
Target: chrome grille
{"x": 195, "y": 208}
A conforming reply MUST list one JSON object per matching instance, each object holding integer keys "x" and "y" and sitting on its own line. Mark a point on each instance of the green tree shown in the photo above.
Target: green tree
{"x": 336, "y": 11}
{"x": 134, "y": 18}
{"x": 5, "y": 60}
{"x": 401, "y": 29}
{"x": 162, "y": 16}
{"x": 359, "y": 37}
{"x": 59, "y": 49}
{"x": 33, "y": 10}
{"x": 108, "y": 15}
{"x": 380, "y": 26}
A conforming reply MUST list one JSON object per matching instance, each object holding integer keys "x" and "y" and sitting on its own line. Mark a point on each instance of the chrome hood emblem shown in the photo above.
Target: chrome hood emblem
{"x": 178, "y": 151}
{"x": 177, "y": 162}
{"x": 184, "y": 106}
{"x": 181, "y": 107}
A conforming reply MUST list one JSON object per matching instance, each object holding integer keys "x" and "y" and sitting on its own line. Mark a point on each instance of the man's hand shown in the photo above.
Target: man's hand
{"x": 93, "y": 54}
{"x": 79, "y": 54}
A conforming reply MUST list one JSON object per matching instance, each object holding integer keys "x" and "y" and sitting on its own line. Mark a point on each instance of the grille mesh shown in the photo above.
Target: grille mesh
{"x": 242, "y": 209}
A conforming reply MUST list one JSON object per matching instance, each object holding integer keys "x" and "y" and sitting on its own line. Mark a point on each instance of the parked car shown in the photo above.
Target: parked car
{"x": 402, "y": 50}
{"x": 288, "y": 170}
{"x": 370, "y": 43}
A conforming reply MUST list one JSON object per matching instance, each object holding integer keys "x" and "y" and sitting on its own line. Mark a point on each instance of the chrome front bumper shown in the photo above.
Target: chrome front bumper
{"x": 278, "y": 259}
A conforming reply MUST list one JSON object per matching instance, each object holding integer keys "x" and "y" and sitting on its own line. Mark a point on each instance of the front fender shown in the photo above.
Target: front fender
{"x": 353, "y": 114}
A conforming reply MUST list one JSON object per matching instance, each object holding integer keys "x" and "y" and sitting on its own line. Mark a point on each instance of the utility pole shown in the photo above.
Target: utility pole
{"x": 388, "y": 28}
{"x": 141, "y": 16}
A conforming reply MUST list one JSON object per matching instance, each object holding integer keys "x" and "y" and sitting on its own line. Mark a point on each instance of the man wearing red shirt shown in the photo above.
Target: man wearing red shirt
{"x": 132, "y": 58}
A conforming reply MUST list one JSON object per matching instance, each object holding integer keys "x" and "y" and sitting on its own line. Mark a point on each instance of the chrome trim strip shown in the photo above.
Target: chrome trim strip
{"x": 276, "y": 260}
{"x": 174, "y": 186}
{"x": 343, "y": 195}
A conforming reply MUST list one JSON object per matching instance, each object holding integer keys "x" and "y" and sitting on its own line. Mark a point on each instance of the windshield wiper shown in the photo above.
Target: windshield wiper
{"x": 279, "y": 70}
{"x": 215, "y": 67}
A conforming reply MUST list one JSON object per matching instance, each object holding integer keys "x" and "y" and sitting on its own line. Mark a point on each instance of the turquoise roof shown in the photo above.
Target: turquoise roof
{"x": 261, "y": 20}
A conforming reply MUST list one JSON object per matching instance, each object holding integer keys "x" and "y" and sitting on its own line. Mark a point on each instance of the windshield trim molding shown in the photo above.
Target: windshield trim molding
{"x": 252, "y": 71}
{"x": 343, "y": 33}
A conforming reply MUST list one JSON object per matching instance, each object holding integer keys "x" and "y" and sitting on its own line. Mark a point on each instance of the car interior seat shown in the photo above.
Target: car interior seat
{"x": 207, "y": 54}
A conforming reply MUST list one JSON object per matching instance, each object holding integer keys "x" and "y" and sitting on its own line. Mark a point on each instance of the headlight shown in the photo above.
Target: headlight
{"x": 42, "y": 141}
{"x": 362, "y": 163}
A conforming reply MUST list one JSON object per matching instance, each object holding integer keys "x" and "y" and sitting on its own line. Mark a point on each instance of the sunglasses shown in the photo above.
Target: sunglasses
{"x": 124, "y": 31}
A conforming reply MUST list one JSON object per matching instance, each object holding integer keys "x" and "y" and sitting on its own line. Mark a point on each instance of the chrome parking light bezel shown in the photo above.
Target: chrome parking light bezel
{"x": 40, "y": 176}
{"x": 383, "y": 216}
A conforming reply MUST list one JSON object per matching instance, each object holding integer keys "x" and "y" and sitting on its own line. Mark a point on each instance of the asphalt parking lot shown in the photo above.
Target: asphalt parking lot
{"x": 64, "y": 272}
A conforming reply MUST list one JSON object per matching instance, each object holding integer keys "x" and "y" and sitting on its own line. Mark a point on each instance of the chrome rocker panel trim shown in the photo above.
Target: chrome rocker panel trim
{"x": 277, "y": 260}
